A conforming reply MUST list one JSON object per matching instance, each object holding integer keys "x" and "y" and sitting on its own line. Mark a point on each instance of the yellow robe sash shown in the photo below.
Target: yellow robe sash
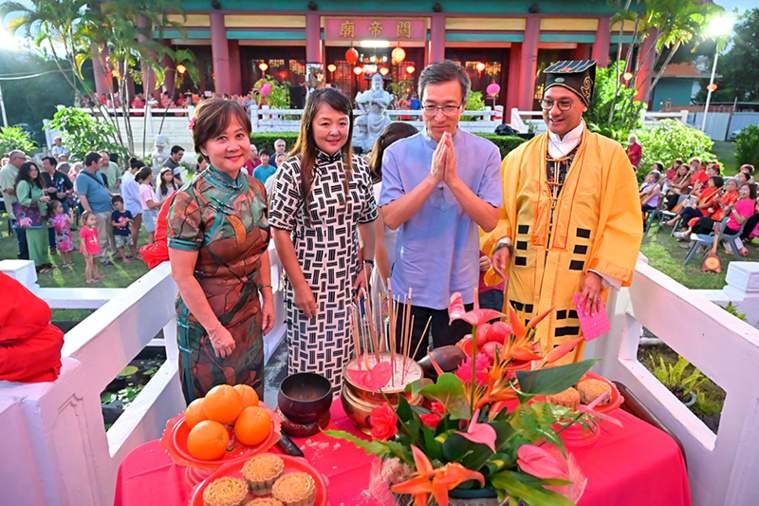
{"x": 596, "y": 226}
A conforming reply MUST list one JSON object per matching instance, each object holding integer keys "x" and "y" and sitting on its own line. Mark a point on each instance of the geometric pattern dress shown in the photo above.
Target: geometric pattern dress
{"x": 225, "y": 221}
{"x": 325, "y": 237}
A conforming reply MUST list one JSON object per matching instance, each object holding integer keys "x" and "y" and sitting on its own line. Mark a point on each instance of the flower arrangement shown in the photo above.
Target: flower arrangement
{"x": 482, "y": 427}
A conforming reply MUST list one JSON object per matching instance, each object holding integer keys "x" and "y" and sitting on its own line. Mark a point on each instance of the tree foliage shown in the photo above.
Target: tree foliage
{"x": 15, "y": 138}
{"x": 747, "y": 146}
{"x": 670, "y": 139}
{"x": 626, "y": 113}
{"x": 81, "y": 133}
{"x": 740, "y": 65}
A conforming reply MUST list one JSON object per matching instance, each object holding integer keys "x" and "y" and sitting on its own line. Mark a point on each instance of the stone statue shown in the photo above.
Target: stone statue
{"x": 159, "y": 155}
{"x": 374, "y": 103}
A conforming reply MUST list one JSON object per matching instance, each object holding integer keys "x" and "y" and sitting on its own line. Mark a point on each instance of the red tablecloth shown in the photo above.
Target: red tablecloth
{"x": 632, "y": 465}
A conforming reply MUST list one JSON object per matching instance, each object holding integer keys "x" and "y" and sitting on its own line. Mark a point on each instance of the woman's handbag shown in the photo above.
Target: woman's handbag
{"x": 27, "y": 217}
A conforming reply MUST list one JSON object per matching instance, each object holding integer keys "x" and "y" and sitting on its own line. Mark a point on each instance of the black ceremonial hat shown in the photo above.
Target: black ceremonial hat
{"x": 577, "y": 76}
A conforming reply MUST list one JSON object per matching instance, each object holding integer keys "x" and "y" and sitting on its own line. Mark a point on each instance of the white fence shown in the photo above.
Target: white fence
{"x": 532, "y": 121}
{"x": 54, "y": 449}
{"x": 722, "y": 467}
{"x": 174, "y": 123}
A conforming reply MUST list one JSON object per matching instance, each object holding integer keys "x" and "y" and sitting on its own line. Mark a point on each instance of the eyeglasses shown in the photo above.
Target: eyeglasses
{"x": 448, "y": 110}
{"x": 564, "y": 105}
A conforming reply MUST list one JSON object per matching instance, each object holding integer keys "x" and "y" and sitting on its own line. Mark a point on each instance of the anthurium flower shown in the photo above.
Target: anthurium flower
{"x": 481, "y": 433}
{"x": 427, "y": 480}
{"x": 371, "y": 379}
{"x": 534, "y": 460}
{"x": 476, "y": 316}
{"x": 589, "y": 410}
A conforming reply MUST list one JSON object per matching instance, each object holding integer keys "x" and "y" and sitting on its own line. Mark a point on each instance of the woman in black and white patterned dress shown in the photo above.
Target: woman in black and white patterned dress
{"x": 319, "y": 249}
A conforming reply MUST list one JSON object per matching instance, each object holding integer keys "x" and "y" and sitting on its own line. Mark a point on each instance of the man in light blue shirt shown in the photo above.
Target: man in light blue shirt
{"x": 438, "y": 187}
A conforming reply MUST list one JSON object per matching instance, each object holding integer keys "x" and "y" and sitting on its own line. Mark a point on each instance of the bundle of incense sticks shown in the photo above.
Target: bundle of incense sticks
{"x": 368, "y": 340}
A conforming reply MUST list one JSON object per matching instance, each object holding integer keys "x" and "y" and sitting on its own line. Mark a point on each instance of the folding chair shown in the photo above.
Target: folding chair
{"x": 708, "y": 240}
{"x": 650, "y": 216}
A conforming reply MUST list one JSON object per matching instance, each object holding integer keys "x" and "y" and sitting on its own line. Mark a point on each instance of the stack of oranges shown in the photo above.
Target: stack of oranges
{"x": 225, "y": 405}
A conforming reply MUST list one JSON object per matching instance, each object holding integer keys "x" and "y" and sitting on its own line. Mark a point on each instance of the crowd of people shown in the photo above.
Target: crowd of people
{"x": 552, "y": 228}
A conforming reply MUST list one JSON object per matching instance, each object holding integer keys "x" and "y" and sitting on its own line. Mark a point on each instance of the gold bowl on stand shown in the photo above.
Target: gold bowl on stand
{"x": 358, "y": 402}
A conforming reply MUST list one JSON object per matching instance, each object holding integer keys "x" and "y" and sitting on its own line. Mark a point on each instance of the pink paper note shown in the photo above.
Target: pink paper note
{"x": 592, "y": 326}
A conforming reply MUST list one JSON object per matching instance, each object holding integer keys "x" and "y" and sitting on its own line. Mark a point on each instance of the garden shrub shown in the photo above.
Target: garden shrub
{"x": 15, "y": 138}
{"x": 505, "y": 143}
{"x": 747, "y": 146}
{"x": 82, "y": 133}
{"x": 670, "y": 139}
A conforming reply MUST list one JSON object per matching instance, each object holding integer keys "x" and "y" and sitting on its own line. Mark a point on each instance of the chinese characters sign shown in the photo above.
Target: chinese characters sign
{"x": 375, "y": 28}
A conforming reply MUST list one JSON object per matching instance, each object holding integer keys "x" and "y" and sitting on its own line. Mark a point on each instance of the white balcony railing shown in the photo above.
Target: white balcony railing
{"x": 54, "y": 449}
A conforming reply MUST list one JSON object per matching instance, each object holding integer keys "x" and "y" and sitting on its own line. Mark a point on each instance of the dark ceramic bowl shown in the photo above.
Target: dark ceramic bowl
{"x": 305, "y": 397}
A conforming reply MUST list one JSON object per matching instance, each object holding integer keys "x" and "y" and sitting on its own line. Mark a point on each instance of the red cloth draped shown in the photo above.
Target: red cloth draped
{"x": 158, "y": 252}
{"x": 30, "y": 347}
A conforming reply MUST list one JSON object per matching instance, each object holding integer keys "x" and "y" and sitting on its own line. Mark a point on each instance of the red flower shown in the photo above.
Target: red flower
{"x": 464, "y": 372}
{"x": 191, "y": 126}
{"x": 383, "y": 422}
{"x": 430, "y": 419}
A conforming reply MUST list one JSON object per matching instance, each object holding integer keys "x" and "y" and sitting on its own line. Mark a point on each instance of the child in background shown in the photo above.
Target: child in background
{"x": 121, "y": 219}
{"x": 147, "y": 199}
{"x": 166, "y": 187}
{"x": 89, "y": 246}
{"x": 264, "y": 171}
{"x": 61, "y": 224}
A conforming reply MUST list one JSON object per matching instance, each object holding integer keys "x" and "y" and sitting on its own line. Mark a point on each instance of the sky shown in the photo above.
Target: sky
{"x": 742, "y": 5}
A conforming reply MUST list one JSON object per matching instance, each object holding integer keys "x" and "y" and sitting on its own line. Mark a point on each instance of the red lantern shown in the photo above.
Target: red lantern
{"x": 351, "y": 55}
{"x": 383, "y": 71}
{"x": 410, "y": 69}
{"x": 398, "y": 54}
{"x": 331, "y": 67}
{"x": 493, "y": 89}
{"x": 358, "y": 70}
{"x": 627, "y": 76}
{"x": 480, "y": 67}
{"x": 712, "y": 87}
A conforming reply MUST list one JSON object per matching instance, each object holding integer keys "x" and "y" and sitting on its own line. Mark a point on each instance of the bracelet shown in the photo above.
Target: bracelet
{"x": 370, "y": 262}
{"x": 264, "y": 286}
{"x": 212, "y": 335}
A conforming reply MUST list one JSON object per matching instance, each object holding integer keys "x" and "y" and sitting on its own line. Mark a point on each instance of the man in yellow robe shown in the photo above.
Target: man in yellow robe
{"x": 571, "y": 218}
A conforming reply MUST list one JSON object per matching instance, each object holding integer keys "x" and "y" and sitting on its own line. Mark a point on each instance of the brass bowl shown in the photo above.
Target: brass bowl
{"x": 305, "y": 397}
{"x": 359, "y": 402}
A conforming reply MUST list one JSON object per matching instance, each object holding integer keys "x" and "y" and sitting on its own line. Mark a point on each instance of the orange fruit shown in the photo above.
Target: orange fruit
{"x": 248, "y": 394}
{"x": 253, "y": 426}
{"x": 222, "y": 403}
{"x": 194, "y": 413}
{"x": 207, "y": 440}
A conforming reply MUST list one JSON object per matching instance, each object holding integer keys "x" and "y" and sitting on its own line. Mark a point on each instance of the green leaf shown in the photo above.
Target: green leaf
{"x": 128, "y": 370}
{"x": 506, "y": 480}
{"x": 449, "y": 391}
{"x": 371, "y": 447}
{"x": 552, "y": 380}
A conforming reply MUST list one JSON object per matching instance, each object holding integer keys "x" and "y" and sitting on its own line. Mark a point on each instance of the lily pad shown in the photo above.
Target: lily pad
{"x": 128, "y": 370}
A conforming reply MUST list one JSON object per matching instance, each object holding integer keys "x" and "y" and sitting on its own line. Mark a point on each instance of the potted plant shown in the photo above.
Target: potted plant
{"x": 482, "y": 432}
{"x": 673, "y": 377}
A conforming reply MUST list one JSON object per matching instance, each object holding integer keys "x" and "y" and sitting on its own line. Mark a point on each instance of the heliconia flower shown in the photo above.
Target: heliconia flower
{"x": 534, "y": 460}
{"x": 561, "y": 350}
{"x": 590, "y": 410}
{"x": 427, "y": 480}
{"x": 481, "y": 433}
{"x": 476, "y": 316}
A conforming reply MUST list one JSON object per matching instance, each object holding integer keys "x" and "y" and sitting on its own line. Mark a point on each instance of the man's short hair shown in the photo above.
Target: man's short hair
{"x": 51, "y": 160}
{"x": 176, "y": 149}
{"x": 264, "y": 152}
{"x": 280, "y": 140}
{"x": 91, "y": 158}
{"x": 442, "y": 72}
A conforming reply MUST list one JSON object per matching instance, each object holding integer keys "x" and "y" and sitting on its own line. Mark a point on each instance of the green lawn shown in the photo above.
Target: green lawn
{"x": 725, "y": 152}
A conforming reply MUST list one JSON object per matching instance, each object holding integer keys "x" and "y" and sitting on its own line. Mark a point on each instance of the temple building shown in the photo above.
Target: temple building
{"x": 508, "y": 43}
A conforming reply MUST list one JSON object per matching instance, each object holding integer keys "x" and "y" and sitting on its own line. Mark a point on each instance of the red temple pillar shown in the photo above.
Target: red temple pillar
{"x": 100, "y": 71}
{"x": 512, "y": 91}
{"x": 437, "y": 38}
{"x": 235, "y": 79}
{"x": 313, "y": 38}
{"x": 643, "y": 81}
{"x": 529, "y": 64}
{"x": 601, "y": 47}
{"x": 581, "y": 52}
{"x": 169, "y": 69}
{"x": 220, "y": 52}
